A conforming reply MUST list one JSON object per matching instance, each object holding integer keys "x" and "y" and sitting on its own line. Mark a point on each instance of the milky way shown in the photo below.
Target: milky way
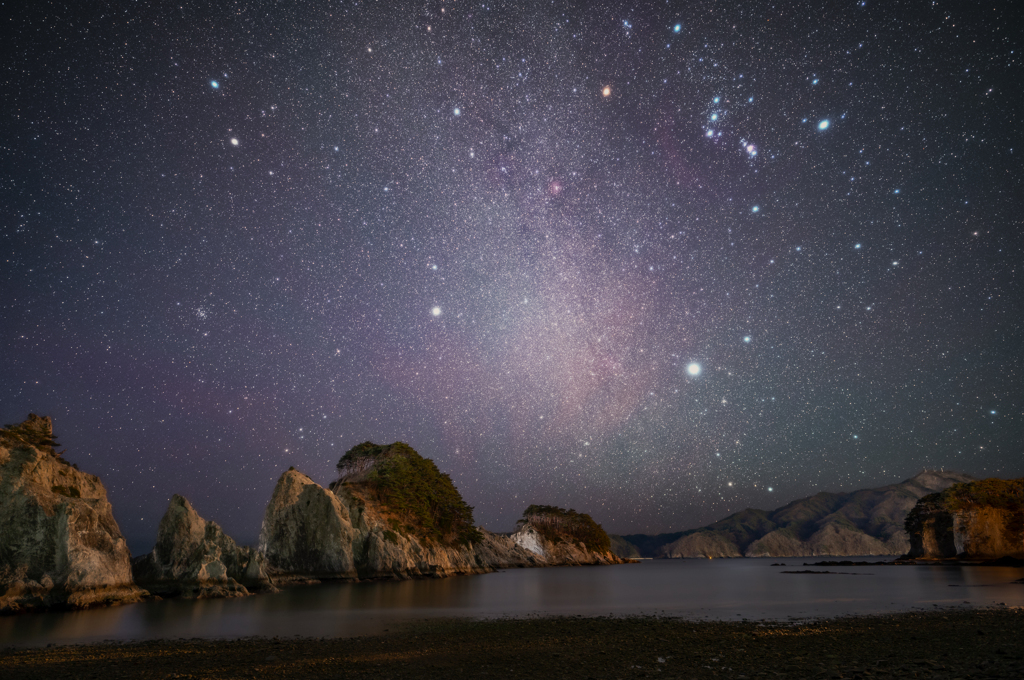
{"x": 657, "y": 263}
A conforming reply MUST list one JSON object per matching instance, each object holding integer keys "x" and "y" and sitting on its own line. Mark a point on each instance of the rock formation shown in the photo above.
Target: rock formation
{"x": 563, "y": 537}
{"x": 865, "y": 522}
{"x": 982, "y": 520}
{"x": 59, "y": 543}
{"x": 391, "y": 514}
{"x": 307, "y": 531}
{"x": 194, "y": 558}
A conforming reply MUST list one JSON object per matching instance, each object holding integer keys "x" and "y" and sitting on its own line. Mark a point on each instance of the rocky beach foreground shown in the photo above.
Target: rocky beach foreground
{"x": 940, "y": 644}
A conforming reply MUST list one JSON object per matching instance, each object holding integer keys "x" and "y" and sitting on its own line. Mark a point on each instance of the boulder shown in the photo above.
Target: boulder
{"x": 194, "y": 558}
{"x": 59, "y": 543}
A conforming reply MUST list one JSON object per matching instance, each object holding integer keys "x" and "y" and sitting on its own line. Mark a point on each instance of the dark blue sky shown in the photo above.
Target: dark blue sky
{"x": 656, "y": 261}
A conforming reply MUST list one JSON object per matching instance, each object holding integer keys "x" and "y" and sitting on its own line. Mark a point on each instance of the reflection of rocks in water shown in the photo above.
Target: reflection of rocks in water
{"x": 842, "y": 573}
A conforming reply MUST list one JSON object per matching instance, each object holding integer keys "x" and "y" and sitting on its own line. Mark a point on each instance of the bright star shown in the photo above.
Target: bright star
{"x": 677, "y": 28}
{"x": 214, "y": 84}
{"x": 436, "y": 311}
{"x": 756, "y": 208}
{"x": 857, "y": 247}
{"x": 234, "y": 142}
{"x": 457, "y": 111}
{"x": 714, "y": 116}
{"x": 823, "y": 125}
{"x": 746, "y": 338}
{"x": 693, "y": 369}
{"x": 606, "y": 91}
{"x": 715, "y": 100}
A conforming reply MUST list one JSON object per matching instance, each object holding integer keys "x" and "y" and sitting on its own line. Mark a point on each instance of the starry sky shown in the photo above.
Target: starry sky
{"x": 655, "y": 261}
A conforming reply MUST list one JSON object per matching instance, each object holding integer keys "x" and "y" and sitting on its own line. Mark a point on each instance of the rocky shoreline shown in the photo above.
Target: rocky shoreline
{"x": 941, "y": 644}
{"x": 391, "y": 514}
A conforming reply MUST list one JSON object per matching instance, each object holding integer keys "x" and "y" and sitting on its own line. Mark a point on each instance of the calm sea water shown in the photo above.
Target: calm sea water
{"x": 695, "y": 589}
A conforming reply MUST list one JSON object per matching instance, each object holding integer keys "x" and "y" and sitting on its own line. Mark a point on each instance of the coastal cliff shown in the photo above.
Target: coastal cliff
{"x": 981, "y": 520}
{"x": 59, "y": 543}
{"x": 864, "y": 522}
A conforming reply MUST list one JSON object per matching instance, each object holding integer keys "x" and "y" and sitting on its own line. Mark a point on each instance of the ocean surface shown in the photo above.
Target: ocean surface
{"x": 694, "y": 589}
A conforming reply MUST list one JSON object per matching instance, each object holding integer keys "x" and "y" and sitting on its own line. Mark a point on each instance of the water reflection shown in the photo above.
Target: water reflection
{"x": 717, "y": 589}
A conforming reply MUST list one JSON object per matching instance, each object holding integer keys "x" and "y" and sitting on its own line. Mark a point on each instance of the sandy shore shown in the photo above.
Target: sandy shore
{"x": 942, "y": 644}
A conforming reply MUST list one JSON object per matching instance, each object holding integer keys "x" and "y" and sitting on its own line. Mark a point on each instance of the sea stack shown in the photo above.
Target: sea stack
{"x": 563, "y": 537}
{"x": 307, "y": 532}
{"x": 59, "y": 543}
{"x": 194, "y": 558}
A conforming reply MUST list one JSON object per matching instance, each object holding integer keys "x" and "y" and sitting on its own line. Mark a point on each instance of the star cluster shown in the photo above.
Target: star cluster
{"x": 656, "y": 262}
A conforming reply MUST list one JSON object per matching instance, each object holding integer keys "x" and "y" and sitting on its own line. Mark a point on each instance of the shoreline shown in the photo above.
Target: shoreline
{"x": 941, "y": 643}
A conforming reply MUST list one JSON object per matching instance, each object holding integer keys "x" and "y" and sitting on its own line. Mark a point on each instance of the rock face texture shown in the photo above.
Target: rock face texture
{"x": 390, "y": 515}
{"x": 307, "y": 531}
{"x": 865, "y": 522}
{"x": 59, "y": 543}
{"x": 194, "y": 558}
{"x": 980, "y": 520}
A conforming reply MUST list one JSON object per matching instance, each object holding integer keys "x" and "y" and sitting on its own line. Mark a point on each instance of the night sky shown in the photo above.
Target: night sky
{"x": 657, "y": 262}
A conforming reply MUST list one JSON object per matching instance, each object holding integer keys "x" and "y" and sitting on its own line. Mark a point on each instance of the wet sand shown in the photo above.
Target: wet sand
{"x": 941, "y": 644}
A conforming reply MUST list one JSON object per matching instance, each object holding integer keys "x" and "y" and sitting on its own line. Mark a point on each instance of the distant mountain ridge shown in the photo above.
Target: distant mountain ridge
{"x": 864, "y": 522}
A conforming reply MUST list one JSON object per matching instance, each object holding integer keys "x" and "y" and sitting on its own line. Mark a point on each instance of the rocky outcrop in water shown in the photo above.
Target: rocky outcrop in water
{"x": 307, "y": 531}
{"x": 982, "y": 520}
{"x": 865, "y": 522}
{"x": 391, "y": 515}
{"x": 194, "y": 558}
{"x": 59, "y": 543}
{"x": 563, "y": 537}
